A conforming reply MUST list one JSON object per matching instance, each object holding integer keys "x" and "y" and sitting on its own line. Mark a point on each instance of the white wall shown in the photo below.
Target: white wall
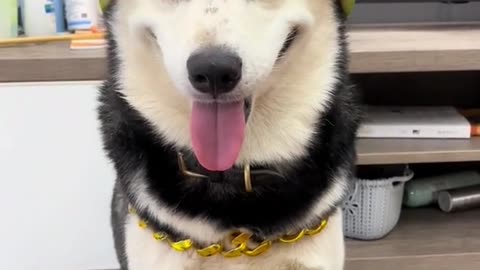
{"x": 55, "y": 182}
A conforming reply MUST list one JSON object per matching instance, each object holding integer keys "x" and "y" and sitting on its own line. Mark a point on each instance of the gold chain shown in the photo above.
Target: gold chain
{"x": 240, "y": 241}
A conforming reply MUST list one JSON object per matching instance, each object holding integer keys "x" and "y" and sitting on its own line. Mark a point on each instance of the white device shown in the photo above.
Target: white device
{"x": 414, "y": 122}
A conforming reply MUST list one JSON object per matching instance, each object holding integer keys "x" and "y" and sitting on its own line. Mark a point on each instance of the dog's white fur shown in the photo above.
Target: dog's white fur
{"x": 322, "y": 252}
{"x": 290, "y": 94}
{"x": 200, "y": 229}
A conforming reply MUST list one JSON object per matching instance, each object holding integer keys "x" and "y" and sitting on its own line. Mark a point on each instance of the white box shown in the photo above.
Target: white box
{"x": 414, "y": 122}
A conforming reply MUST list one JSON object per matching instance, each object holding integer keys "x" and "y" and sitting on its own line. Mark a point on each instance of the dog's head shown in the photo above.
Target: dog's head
{"x": 194, "y": 68}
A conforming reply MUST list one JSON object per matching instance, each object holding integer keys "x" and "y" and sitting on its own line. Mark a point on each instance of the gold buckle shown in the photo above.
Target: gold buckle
{"x": 248, "y": 178}
{"x": 185, "y": 171}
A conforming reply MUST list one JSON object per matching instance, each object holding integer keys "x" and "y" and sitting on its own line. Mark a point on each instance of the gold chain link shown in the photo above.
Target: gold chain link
{"x": 240, "y": 241}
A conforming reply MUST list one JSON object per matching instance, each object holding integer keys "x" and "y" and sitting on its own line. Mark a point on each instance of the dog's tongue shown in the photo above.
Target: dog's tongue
{"x": 217, "y": 132}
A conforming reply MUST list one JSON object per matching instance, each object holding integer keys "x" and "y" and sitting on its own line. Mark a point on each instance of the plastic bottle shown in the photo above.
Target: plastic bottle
{"x": 423, "y": 192}
{"x": 43, "y": 17}
{"x": 8, "y": 18}
{"x": 82, "y": 14}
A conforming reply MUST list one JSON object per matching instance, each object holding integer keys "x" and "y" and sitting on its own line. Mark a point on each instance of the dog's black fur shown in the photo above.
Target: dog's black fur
{"x": 133, "y": 145}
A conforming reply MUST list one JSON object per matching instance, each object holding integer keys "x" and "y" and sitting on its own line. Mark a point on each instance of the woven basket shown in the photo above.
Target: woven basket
{"x": 372, "y": 209}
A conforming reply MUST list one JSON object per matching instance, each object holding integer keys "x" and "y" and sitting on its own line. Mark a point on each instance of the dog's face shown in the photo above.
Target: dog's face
{"x": 249, "y": 37}
{"x": 178, "y": 53}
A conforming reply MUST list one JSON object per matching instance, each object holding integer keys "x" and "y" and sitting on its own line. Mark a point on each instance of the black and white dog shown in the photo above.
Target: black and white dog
{"x": 231, "y": 125}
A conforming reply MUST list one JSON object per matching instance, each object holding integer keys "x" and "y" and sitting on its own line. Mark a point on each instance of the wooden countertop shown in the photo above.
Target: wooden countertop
{"x": 395, "y": 48}
{"x": 51, "y": 62}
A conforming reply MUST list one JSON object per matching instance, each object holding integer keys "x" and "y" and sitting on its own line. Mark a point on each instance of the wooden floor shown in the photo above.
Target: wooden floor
{"x": 424, "y": 239}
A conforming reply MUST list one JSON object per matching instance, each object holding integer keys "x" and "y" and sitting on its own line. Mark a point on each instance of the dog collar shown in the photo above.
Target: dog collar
{"x": 247, "y": 175}
{"x": 236, "y": 244}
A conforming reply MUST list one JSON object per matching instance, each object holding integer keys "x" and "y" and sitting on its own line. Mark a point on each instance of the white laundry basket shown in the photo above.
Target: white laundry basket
{"x": 372, "y": 209}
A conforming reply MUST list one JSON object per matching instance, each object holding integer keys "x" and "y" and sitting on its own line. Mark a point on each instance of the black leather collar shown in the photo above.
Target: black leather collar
{"x": 257, "y": 176}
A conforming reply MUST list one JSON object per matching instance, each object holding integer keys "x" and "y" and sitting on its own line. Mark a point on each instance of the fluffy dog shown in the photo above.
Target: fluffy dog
{"x": 231, "y": 125}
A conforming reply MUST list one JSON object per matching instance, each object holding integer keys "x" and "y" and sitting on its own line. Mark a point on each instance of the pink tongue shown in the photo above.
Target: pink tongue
{"x": 217, "y": 131}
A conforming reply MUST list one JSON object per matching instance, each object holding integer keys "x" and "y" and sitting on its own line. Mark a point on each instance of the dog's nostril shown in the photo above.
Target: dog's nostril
{"x": 200, "y": 79}
{"x": 227, "y": 79}
{"x": 214, "y": 71}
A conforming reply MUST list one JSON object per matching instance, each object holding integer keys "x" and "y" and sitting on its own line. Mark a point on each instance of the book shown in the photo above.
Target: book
{"x": 473, "y": 116}
{"x": 414, "y": 122}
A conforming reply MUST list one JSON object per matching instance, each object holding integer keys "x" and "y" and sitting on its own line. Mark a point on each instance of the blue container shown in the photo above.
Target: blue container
{"x": 43, "y": 17}
{"x": 59, "y": 10}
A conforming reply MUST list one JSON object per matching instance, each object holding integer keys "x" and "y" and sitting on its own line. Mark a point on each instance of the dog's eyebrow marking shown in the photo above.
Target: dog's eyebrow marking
{"x": 211, "y": 8}
{"x": 269, "y": 4}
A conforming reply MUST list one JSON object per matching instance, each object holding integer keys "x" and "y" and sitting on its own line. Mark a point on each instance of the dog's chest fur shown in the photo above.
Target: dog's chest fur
{"x": 324, "y": 251}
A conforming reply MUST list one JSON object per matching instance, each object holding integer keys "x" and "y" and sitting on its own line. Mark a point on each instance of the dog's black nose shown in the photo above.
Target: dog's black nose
{"x": 214, "y": 71}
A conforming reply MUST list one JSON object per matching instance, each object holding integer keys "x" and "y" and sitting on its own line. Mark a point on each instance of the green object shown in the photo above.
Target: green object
{"x": 348, "y": 6}
{"x": 104, "y": 4}
{"x": 423, "y": 192}
{"x": 8, "y": 18}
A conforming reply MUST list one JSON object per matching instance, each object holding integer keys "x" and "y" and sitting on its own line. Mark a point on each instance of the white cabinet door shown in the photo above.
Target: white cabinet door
{"x": 55, "y": 181}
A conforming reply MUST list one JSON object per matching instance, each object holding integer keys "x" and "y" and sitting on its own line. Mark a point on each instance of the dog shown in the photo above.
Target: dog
{"x": 231, "y": 127}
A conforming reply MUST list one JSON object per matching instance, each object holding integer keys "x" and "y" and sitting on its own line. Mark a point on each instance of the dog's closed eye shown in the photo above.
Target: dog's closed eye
{"x": 292, "y": 36}
{"x": 150, "y": 33}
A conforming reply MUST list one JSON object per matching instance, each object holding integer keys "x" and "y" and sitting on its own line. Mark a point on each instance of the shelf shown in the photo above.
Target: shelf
{"x": 424, "y": 239}
{"x": 395, "y": 48}
{"x": 413, "y": 48}
{"x": 51, "y": 62}
{"x": 397, "y": 151}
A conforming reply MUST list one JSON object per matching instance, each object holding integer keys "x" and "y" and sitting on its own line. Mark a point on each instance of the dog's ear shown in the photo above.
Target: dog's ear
{"x": 348, "y": 6}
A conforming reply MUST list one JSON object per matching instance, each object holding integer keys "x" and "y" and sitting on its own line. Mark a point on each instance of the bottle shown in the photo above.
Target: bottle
{"x": 423, "y": 192}
{"x": 8, "y": 18}
{"x": 459, "y": 199}
{"x": 82, "y": 14}
{"x": 43, "y": 17}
